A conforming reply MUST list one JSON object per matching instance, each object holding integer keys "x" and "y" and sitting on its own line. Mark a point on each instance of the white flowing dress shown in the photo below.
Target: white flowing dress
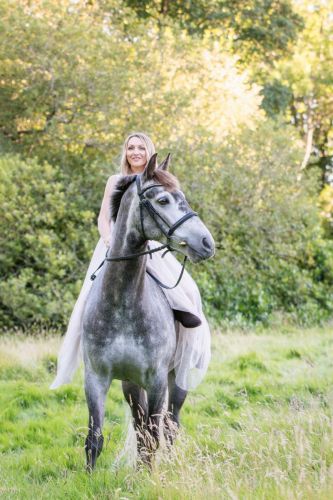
{"x": 192, "y": 354}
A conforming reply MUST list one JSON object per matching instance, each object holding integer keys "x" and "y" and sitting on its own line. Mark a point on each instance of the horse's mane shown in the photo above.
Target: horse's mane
{"x": 163, "y": 177}
{"x": 121, "y": 187}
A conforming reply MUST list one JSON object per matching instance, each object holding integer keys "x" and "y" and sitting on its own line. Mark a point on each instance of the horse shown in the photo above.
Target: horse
{"x": 128, "y": 326}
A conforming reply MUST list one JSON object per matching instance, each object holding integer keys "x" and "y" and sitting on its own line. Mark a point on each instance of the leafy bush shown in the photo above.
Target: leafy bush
{"x": 46, "y": 234}
{"x": 271, "y": 252}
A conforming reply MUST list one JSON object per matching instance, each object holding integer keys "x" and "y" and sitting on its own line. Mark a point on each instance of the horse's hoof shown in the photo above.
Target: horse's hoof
{"x": 144, "y": 461}
{"x": 89, "y": 469}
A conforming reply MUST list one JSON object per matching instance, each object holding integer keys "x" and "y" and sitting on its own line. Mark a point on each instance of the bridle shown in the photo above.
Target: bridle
{"x": 157, "y": 217}
{"x": 145, "y": 203}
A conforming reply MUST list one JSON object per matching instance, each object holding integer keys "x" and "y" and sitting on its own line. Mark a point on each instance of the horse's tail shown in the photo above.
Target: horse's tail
{"x": 128, "y": 454}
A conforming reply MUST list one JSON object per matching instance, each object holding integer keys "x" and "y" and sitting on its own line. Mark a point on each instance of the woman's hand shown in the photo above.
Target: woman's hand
{"x": 107, "y": 241}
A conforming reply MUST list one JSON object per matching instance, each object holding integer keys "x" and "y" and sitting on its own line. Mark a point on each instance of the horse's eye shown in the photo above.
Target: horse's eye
{"x": 163, "y": 201}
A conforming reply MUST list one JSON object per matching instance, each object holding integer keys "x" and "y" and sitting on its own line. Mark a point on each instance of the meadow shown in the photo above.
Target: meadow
{"x": 260, "y": 426}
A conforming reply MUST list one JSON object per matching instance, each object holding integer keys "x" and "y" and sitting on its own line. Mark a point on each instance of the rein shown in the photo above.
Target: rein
{"x": 156, "y": 216}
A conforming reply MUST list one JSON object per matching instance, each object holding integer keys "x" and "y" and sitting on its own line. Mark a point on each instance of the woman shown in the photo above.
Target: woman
{"x": 193, "y": 345}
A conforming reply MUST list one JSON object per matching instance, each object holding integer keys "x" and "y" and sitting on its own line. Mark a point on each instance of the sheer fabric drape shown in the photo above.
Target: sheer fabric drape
{"x": 193, "y": 345}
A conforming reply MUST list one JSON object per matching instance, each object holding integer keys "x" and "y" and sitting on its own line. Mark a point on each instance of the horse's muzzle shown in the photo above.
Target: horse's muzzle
{"x": 200, "y": 249}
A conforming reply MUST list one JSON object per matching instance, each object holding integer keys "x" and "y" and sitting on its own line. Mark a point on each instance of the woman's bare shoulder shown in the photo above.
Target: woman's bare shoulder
{"x": 112, "y": 181}
{"x": 114, "y": 177}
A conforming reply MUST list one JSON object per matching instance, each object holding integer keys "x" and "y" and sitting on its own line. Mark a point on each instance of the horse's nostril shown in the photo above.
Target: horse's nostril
{"x": 206, "y": 243}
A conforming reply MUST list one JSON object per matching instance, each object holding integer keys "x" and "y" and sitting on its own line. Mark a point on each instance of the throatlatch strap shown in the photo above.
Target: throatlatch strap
{"x": 135, "y": 255}
{"x": 128, "y": 257}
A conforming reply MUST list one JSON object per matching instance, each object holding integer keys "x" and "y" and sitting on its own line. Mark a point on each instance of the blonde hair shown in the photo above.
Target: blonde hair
{"x": 125, "y": 167}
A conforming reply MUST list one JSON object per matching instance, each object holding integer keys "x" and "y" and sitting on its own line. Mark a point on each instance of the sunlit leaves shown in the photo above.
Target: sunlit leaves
{"x": 304, "y": 80}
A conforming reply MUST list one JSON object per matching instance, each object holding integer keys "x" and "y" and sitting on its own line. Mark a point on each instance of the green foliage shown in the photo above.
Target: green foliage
{"x": 76, "y": 78}
{"x": 46, "y": 228}
{"x": 271, "y": 253}
{"x": 75, "y": 82}
{"x": 256, "y": 28}
{"x": 300, "y": 84}
{"x": 326, "y": 205}
{"x": 276, "y": 98}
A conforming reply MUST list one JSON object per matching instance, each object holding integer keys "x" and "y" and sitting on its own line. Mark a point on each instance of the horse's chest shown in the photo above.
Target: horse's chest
{"x": 130, "y": 357}
{"x": 130, "y": 345}
{"x": 145, "y": 325}
{"x": 129, "y": 341}
{"x": 136, "y": 341}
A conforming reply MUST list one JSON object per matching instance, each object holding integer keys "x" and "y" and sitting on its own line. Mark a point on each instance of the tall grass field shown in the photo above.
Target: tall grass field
{"x": 260, "y": 426}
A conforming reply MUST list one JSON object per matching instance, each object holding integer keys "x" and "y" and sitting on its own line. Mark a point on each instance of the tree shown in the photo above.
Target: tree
{"x": 253, "y": 29}
{"x": 75, "y": 82}
{"x": 301, "y": 86}
{"x": 76, "y": 78}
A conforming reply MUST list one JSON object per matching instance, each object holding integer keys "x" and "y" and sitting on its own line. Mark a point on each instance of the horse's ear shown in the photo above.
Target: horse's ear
{"x": 150, "y": 168}
{"x": 165, "y": 163}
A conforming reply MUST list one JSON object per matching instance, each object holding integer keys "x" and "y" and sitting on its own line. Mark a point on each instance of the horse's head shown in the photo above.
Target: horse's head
{"x": 164, "y": 215}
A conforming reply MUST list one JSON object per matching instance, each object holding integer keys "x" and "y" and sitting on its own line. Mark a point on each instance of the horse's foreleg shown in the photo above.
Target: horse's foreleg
{"x": 177, "y": 397}
{"x": 96, "y": 388}
{"x": 137, "y": 400}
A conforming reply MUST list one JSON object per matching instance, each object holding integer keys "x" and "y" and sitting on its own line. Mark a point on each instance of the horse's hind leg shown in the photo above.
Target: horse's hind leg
{"x": 96, "y": 388}
{"x": 137, "y": 400}
{"x": 176, "y": 400}
{"x": 156, "y": 398}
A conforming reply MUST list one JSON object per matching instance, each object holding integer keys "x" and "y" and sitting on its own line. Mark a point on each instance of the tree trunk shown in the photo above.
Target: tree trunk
{"x": 164, "y": 7}
{"x": 308, "y": 138}
{"x": 308, "y": 148}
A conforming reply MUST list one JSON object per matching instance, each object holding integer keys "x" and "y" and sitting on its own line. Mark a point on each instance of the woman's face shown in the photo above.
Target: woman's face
{"x": 136, "y": 154}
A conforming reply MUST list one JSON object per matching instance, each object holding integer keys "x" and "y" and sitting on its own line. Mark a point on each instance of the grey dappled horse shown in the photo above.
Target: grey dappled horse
{"x": 128, "y": 325}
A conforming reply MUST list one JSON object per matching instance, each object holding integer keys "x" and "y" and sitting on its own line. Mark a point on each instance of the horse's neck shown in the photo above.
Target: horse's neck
{"x": 121, "y": 276}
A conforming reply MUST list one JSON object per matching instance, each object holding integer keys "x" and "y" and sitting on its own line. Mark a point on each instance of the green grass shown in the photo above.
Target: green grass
{"x": 259, "y": 427}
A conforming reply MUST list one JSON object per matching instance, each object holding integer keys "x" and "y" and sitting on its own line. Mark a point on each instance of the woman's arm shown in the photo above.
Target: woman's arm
{"x": 104, "y": 218}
